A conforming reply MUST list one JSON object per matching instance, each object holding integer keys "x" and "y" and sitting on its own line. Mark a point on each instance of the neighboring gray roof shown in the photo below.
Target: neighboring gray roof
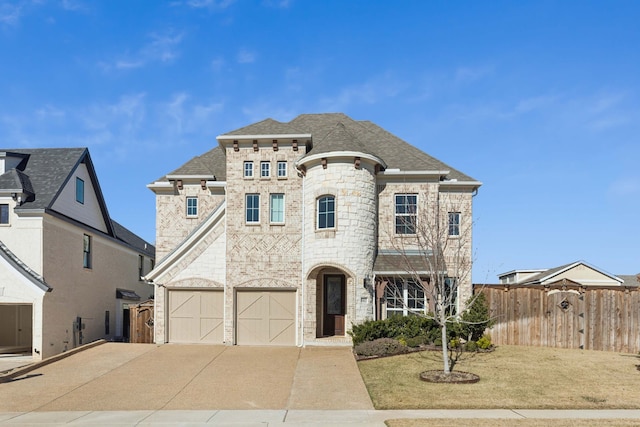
{"x": 23, "y": 268}
{"x": 125, "y": 235}
{"x": 48, "y": 169}
{"x": 44, "y": 173}
{"x": 630, "y": 280}
{"x": 16, "y": 181}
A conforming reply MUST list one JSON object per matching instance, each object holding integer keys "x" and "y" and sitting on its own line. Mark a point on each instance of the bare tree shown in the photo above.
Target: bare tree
{"x": 432, "y": 247}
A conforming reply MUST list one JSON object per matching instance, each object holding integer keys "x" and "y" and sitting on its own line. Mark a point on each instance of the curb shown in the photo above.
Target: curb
{"x": 17, "y": 372}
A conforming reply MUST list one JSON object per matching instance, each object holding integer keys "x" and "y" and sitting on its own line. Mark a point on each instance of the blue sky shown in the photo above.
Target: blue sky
{"x": 539, "y": 100}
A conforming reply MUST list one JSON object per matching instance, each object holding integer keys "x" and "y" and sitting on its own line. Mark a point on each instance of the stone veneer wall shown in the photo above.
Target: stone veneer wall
{"x": 172, "y": 223}
{"x": 351, "y": 246}
{"x": 262, "y": 255}
{"x": 430, "y": 196}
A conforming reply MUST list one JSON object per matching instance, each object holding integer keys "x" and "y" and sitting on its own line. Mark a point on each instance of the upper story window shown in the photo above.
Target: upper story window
{"x": 192, "y": 206}
{"x": 86, "y": 251}
{"x": 282, "y": 169}
{"x": 79, "y": 190}
{"x": 326, "y": 212}
{"x": 248, "y": 169}
{"x": 276, "y": 209}
{"x": 4, "y": 214}
{"x": 140, "y": 266}
{"x": 265, "y": 169}
{"x": 406, "y": 213}
{"x": 454, "y": 224}
{"x": 252, "y": 208}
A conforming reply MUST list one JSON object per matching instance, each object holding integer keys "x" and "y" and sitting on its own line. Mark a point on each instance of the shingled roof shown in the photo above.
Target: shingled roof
{"x": 43, "y": 174}
{"x": 330, "y": 132}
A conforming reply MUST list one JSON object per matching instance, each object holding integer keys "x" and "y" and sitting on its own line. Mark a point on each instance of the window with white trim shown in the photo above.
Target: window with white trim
{"x": 282, "y": 169}
{"x": 276, "y": 208}
{"x": 454, "y": 224}
{"x": 406, "y": 209}
{"x": 192, "y": 206}
{"x": 405, "y": 296}
{"x": 248, "y": 169}
{"x": 326, "y": 212}
{"x": 265, "y": 169}
{"x": 252, "y": 208}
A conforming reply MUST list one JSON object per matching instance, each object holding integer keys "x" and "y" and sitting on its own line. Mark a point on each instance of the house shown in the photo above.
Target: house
{"x": 67, "y": 270}
{"x": 578, "y": 274}
{"x": 576, "y": 305}
{"x": 290, "y": 233}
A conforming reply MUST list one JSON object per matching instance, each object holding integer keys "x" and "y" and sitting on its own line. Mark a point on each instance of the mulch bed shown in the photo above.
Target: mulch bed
{"x": 454, "y": 377}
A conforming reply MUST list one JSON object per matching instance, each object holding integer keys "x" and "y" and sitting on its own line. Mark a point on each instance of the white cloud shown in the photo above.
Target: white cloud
{"x": 245, "y": 57}
{"x": 163, "y": 48}
{"x": 10, "y": 12}
{"x": 217, "y": 64}
{"x": 373, "y": 91}
{"x": 206, "y": 4}
{"x": 470, "y": 74}
{"x": 279, "y": 4}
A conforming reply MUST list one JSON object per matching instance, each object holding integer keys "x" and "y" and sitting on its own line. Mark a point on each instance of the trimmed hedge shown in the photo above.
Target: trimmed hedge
{"x": 406, "y": 327}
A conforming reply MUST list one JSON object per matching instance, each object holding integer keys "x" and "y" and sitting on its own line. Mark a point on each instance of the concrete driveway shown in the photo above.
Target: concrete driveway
{"x": 125, "y": 377}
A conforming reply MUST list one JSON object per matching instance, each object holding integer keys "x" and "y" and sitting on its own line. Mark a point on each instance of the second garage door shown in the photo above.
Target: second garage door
{"x": 266, "y": 317}
{"x": 196, "y": 316}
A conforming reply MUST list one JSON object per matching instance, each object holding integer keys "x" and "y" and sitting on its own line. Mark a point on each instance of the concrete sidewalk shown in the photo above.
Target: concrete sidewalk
{"x": 309, "y": 418}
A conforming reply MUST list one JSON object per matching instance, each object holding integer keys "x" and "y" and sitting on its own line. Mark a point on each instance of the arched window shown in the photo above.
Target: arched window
{"x": 326, "y": 212}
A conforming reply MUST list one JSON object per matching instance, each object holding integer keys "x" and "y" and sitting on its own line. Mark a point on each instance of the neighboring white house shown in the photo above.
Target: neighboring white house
{"x": 67, "y": 270}
{"x": 575, "y": 274}
{"x": 288, "y": 233}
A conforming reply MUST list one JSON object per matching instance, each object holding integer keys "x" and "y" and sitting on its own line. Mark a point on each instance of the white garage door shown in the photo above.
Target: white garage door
{"x": 266, "y": 317}
{"x": 196, "y": 316}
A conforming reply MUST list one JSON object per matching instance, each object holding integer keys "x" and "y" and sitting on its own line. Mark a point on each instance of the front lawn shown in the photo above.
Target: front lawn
{"x": 510, "y": 377}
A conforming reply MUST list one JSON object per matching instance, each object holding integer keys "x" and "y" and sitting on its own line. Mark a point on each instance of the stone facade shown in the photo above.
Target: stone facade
{"x": 296, "y": 255}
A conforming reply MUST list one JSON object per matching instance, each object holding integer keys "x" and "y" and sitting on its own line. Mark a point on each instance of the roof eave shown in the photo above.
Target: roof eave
{"x": 340, "y": 154}
{"x": 221, "y": 138}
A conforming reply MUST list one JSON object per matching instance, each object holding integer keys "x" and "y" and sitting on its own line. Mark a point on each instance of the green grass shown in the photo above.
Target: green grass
{"x": 510, "y": 377}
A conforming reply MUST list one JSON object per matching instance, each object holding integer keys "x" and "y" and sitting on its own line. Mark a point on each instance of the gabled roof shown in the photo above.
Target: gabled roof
{"x": 128, "y": 237}
{"x": 44, "y": 172}
{"x": 23, "y": 268}
{"x": 553, "y": 272}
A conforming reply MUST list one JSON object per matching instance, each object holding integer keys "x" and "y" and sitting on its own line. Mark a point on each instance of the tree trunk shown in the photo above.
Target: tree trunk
{"x": 445, "y": 347}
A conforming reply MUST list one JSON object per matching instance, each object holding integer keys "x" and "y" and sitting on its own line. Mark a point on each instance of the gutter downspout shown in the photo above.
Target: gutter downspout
{"x": 302, "y": 275}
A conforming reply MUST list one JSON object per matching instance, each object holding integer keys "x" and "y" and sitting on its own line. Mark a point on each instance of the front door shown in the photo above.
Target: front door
{"x": 334, "y": 305}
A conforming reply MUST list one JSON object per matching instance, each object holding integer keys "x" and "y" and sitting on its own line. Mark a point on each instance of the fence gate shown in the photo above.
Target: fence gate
{"x": 141, "y": 323}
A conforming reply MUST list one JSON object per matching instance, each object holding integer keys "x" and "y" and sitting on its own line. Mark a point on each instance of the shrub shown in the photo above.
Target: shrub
{"x": 484, "y": 342}
{"x": 417, "y": 341}
{"x": 470, "y": 346}
{"x": 394, "y": 327}
{"x": 381, "y": 347}
{"x": 475, "y": 319}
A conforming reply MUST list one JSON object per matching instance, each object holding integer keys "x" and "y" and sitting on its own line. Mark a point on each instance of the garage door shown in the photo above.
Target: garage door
{"x": 16, "y": 327}
{"x": 196, "y": 316}
{"x": 266, "y": 317}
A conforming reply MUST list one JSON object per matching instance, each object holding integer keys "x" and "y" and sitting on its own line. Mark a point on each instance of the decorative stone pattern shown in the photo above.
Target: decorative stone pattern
{"x": 263, "y": 255}
{"x": 172, "y": 223}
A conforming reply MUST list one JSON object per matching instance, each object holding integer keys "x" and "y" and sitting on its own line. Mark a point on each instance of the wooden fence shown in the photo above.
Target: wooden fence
{"x": 567, "y": 317}
{"x": 141, "y": 323}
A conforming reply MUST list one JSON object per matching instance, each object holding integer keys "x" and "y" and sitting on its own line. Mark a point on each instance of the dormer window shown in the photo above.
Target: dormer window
{"x": 79, "y": 190}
